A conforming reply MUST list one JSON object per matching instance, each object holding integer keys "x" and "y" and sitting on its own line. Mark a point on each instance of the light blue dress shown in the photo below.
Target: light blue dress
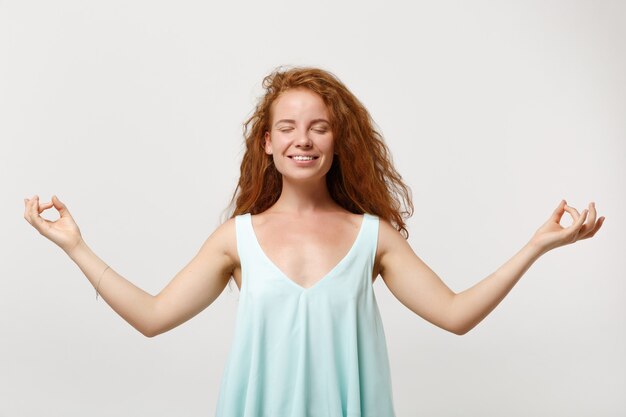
{"x": 307, "y": 352}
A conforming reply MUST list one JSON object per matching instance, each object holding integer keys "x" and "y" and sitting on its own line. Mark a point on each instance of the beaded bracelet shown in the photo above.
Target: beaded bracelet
{"x": 98, "y": 286}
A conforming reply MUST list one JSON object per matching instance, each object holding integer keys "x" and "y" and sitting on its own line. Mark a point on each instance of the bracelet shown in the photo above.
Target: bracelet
{"x": 98, "y": 286}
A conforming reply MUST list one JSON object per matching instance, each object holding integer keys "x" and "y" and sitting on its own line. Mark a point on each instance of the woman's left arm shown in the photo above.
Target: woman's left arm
{"x": 421, "y": 290}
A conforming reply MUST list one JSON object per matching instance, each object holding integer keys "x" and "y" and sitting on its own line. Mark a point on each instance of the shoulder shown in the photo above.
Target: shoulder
{"x": 388, "y": 235}
{"x": 389, "y": 240}
{"x": 225, "y": 240}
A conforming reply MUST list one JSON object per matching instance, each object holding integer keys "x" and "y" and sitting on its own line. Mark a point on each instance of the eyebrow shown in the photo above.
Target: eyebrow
{"x": 293, "y": 121}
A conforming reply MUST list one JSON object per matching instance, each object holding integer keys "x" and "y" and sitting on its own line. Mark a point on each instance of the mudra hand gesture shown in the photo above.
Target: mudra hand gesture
{"x": 552, "y": 235}
{"x": 64, "y": 231}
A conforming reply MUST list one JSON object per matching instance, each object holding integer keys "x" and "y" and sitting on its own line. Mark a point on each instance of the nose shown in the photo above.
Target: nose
{"x": 303, "y": 139}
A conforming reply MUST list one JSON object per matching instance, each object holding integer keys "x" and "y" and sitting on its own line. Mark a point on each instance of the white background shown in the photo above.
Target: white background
{"x": 132, "y": 111}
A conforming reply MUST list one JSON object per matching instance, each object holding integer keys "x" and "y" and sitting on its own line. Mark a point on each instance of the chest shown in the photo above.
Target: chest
{"x": 305, "y": 252}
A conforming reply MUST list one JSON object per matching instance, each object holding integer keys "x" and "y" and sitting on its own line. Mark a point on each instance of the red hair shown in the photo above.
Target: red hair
{"x": 362, "y": 178}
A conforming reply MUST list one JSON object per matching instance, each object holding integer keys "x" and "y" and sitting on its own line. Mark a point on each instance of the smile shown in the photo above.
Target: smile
{"x": 303, "y": 158}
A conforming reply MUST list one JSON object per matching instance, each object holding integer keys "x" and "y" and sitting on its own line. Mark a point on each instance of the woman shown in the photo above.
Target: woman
{"x": 317, "y": 218}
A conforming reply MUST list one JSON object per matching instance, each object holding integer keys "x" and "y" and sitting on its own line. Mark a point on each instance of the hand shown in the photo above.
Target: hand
{"x": 552, "y": 235}
{"x": 64, "y": 232}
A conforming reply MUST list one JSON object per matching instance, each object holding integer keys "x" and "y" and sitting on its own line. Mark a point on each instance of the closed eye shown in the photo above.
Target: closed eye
{"x": 316, "y": 130}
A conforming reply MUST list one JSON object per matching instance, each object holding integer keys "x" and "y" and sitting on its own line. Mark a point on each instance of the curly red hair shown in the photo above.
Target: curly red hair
{"x": 362, "y": 178}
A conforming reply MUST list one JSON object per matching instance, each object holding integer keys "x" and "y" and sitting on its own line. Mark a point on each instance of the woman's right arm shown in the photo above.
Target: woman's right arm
{"x": 193, "y": 289}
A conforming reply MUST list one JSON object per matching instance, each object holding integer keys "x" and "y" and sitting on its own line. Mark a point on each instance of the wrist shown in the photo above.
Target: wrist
{"x": 535, "y": 249}
{"x": 79, "y": 246}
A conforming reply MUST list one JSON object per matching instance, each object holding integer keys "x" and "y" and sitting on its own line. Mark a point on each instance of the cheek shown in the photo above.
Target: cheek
{"x": 330, "y": 146}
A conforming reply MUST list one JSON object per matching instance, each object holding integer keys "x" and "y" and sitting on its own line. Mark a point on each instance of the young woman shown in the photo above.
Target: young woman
{"x": 317, "y": 218}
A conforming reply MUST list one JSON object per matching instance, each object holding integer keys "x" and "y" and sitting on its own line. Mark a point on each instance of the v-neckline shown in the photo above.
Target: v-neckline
{"x": 326, "y": 275}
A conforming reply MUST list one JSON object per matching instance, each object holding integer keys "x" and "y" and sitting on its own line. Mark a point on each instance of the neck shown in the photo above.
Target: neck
{"x": 304, "y": 198}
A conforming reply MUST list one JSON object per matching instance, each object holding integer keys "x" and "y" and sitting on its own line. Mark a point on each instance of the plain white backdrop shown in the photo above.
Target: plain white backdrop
{"x": 131, "y": 113}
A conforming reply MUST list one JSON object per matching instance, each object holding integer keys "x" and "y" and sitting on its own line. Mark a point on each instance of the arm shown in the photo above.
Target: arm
{"x": 132, "y": 303}
{"x": 193, "y": 289}
{"x": 415, "y": 285}
{"x": 470, "y": 307}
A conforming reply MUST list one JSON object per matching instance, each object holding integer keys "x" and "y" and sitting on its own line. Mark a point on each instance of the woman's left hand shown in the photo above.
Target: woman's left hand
{"x": 552, "y": 235}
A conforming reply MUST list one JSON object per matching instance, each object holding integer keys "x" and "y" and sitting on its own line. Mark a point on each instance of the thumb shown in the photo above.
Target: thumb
{"x": 63, "y": 211}
{"x": 558, "y": 212}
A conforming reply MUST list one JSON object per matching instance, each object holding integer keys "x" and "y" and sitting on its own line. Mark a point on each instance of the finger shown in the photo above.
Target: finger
{"x": 27, "y": 210}
{"x": 45, "y": 206}
{"x": 572, "y": 230}
{"x": 577, "y": 226}
{"x": 36, "y": 220}
{"x": 590, "y": 222}
{"x": 572, "y": 212}
{"x": 32, "y": 206}
{"x": 558, "y": 212}
{"x": 58, "y": 204}
{"x": 597, "y": 227}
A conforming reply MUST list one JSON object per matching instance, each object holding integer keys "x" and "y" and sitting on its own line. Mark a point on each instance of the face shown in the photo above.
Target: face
{"x": 300, "y": 126}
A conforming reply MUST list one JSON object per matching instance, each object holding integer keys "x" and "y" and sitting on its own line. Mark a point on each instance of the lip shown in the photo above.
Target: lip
{"x": 302, "y": 154}
{"x": 310, "y": 162}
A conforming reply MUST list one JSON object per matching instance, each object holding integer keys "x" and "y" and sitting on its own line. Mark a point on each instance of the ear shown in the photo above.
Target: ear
{"x": 268, "y": 143}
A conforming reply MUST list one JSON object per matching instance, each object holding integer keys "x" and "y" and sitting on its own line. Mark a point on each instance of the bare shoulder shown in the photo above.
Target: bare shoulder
{"x": 389, "y": 240}
{"x": 225, "y": 240}
{"x": 218, "y": 253}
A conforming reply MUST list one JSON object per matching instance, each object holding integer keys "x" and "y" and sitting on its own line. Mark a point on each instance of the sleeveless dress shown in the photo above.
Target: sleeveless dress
{"x": 307, "y": 352}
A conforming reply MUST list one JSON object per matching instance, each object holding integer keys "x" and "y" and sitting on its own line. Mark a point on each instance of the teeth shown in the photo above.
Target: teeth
{"x": 302, "y": 158}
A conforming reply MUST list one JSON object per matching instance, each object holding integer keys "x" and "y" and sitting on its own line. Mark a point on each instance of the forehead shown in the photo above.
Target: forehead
{"x": 299, "y": 102}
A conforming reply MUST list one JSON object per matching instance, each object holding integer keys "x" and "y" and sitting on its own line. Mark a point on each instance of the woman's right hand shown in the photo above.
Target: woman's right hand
{"x": 63, "y": 232}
